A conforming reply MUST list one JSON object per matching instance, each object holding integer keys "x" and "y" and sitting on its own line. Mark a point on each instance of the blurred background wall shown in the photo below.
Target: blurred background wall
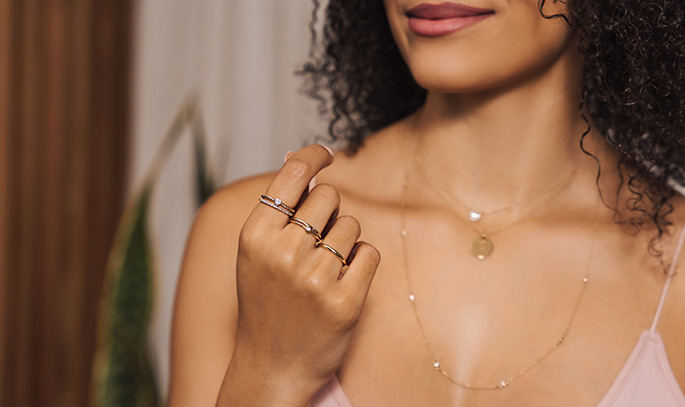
{"x": 87, "y": 90}
{"x": 64, "y": 119}
{"x": 238, "y": 57}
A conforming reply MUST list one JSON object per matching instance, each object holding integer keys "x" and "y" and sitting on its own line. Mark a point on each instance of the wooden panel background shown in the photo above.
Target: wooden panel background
{"x": 64, "y": 102}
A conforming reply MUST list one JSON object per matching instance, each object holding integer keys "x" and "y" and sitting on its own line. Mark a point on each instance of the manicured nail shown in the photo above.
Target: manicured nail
{"x": 312, "y": 184}
{"x": 330, "y": 150}
{"x": 288, "y": 155}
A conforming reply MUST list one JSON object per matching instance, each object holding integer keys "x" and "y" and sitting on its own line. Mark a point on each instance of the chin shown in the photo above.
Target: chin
{"x": 456, "y": 78}
{"x": 477, "y": 70}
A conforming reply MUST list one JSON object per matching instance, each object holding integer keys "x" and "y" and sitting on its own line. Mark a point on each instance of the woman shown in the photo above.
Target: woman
{"x": 512, "y": 274}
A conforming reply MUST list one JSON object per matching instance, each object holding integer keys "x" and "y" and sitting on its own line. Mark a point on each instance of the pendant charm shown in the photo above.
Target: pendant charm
{"x": 481, "y": 247}
{"x": 475, "y": 216}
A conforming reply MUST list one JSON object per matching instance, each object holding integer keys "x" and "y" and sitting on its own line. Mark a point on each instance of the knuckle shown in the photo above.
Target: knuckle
{"x": 287, "y": 260}
{"x": 372, "y": 253}
{"x": 349, "y": 224}
{"x": 247, "y": 238}
{"x": 341, "y": 310}
{"x": 313, "y": 286}
{"x": 368, "y": 253}
{"x": 272, "y": 255}
{"x": 327, "y": 191}
{"x": 336, "y": 307}
{"x": 297, "y": 167}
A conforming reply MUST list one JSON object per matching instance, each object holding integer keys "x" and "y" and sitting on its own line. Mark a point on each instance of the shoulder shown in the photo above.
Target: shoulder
{"x": 678, "y": 227}
{"x": 673, "y": 253}
{"x": 206, "y": 307}
{"x": 234, "y": 200}
{"x": 375, "y": 171}
{"x": 219, "y": 221}
{"x": 213, "y": 241}
{"x": 673, "y": 316}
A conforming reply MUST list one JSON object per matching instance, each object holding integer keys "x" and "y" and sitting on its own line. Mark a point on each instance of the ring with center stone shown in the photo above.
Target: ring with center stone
{"x": 277, "y": 204}
{"x": 307, "y": 228}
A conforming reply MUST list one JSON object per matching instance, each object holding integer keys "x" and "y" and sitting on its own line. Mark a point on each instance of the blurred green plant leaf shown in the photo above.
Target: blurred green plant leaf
{"x": 123, "y": 374}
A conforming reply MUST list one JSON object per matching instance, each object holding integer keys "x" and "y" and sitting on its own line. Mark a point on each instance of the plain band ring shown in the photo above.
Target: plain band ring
{"x": 277, "y": 204}
{"x": 307, "y": 228}
{"x": 332, "y": 250}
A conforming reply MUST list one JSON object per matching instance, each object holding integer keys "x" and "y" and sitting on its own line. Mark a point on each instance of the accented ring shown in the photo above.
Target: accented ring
{"x": 307, "y": 228}
{"x": 332, "y": 250}
{"x": 277, "y": 204}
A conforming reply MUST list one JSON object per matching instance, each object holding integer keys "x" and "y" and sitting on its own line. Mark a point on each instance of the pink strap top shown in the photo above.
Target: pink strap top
{"x": 646, "y": 379}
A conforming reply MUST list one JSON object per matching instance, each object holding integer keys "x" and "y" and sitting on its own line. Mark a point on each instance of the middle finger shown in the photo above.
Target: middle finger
{"x": 321, "y": 204}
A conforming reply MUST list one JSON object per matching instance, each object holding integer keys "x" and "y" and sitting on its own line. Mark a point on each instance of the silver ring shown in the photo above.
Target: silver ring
{"x": 307, "y": 228}
{"x": 277, "y": 204}
{"x": 332, "y": 250}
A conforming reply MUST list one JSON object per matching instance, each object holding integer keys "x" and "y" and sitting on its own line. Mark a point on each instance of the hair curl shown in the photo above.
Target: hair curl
{"x": 633, "y": 86}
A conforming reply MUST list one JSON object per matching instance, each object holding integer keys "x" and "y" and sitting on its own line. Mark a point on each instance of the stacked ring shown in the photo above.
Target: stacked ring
{"x": 307, "y": 228}
{"x": 277, "y": 204}
{"x": 332, "y": 250}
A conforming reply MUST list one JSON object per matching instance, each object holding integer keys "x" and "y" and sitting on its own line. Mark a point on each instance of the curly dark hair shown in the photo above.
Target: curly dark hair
{"x": 633, "y": 86}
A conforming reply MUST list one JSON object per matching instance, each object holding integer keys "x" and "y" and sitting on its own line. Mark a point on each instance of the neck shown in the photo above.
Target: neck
{"x": 505, "y": 146}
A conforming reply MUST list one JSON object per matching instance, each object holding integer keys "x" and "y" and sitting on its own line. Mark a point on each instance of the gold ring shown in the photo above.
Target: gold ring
{"x": 277, "y": 204}
{"x": 332, "y": 250}
{"x": 307, "y": 228}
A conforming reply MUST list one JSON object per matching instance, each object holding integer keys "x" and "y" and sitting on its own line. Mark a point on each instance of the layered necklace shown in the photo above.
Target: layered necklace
{"x": 435, "y": 360}
{"x": 482, "y": 245}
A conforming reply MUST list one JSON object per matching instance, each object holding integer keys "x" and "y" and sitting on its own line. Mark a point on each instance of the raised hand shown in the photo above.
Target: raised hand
{"x": 302, "y": 281}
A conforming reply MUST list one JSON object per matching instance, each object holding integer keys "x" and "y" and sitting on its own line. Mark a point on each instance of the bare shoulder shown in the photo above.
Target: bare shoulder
{"x": 205, "y": 310}
{"x": 375, "y": 171}
{"x": 673, "y": 316}
{"x": 230, "y": 206}
{"x": 678, "y": 220}
{"x": 213, "y": 240}
{"x": 675, "y": 246}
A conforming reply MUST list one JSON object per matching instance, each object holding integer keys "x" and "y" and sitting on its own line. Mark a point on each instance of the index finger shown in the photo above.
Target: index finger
{"x": 294, "y": 176}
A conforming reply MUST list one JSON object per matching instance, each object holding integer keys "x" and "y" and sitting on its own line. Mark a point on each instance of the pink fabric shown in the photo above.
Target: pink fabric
{"x": 645, "y": 380}
{"x": 331, "y": 395}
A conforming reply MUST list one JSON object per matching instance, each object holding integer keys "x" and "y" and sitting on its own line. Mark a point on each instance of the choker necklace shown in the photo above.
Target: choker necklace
{"x": 434, "y": 359}
{"x": 482, "y": 246}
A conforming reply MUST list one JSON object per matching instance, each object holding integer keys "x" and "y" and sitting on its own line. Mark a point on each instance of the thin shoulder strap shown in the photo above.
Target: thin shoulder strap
{"x": 669, "y": 277}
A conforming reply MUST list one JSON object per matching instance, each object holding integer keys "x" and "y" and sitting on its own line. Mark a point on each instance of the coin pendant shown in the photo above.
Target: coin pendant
{"x": 481, "y": 247}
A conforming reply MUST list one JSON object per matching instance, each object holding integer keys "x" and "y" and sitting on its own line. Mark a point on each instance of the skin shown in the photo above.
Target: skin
{"x": 262, "y": 319}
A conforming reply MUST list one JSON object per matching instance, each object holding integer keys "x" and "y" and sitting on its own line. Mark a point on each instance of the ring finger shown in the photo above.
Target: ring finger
{"x": 340, "y": 241}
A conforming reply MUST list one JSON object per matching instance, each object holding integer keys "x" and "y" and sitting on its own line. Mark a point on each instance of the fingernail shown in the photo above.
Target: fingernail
{"x": 330, "y": 150}
{"x": 288, "y": 155}
{"x": 312, "y": 184}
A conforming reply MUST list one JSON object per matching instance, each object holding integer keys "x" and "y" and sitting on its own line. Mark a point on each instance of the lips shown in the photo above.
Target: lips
{"x": 435, "y": 20}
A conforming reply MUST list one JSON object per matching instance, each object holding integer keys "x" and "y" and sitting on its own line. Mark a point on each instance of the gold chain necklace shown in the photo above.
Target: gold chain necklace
{"x": 482, "y": 246}
{"x": 474, "y": 215}
{"x": 435, "y": 361}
